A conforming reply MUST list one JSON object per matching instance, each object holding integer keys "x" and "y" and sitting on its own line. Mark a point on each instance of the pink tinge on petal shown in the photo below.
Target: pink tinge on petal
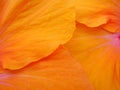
{"x": 4, "y": 76}
{"x": 114, "y": 39}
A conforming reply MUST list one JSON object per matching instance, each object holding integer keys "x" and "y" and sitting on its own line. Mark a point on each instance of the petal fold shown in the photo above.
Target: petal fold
{"x": 98, "y": 52}
{"x": 32, "y": 29}
{"x": 97, "y": 13}
{"x": 59, "y": 71}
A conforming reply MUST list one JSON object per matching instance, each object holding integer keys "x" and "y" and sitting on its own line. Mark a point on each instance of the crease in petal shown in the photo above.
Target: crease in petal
{"x": 59, "y": 71}
{"x": 33, "y": 29}
{"x": 98, "y": 52}
{"x": 96, "y": 13}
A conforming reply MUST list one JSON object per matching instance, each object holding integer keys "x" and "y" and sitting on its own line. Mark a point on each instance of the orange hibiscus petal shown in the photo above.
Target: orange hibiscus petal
{"x": 95, "y": 13}
{"x": 59, "y": 71}
{"x": 99, "y": 53}
{"x": 32, "y": 29}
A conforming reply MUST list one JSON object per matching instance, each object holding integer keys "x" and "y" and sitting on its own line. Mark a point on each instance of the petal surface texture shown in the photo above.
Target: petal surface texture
{"x": 32, "y": 29}
{"x": 96, "y": 13}
{"x": 99, "y": 53}
{"x": 59, "y": 71}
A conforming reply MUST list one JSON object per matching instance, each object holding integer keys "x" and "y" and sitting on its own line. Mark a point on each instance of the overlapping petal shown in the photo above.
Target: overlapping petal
{"x": 96, "y": 13}
{"x": 32, "y": 29}
{"x": 98, "y": 52}
{"x": 59, "y": 71}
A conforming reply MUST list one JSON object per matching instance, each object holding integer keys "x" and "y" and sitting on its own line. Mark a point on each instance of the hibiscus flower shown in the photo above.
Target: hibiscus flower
{"x": 96, "y": 41}
{"x": 32, "y": 57}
